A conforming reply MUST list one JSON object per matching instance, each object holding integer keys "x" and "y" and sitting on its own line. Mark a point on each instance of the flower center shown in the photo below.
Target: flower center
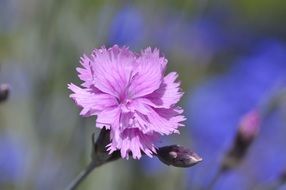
{"x": 125, "y": 105}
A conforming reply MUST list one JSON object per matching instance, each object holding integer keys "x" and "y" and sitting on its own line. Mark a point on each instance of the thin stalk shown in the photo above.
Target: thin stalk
{"x": 82, "y": 175}
{"x": 99, "y": 156}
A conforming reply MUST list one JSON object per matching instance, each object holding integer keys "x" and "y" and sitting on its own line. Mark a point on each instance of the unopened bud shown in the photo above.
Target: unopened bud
{"x": 249, "y": 125}
{"x": 178, "y": 156}
{"x": 4, "y": 92}
{"x": 248, "y": 130}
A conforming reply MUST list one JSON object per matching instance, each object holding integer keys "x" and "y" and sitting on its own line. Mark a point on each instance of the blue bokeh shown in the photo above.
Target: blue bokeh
{"x": 12, "y": 160}
{"x": 216, "y": 107}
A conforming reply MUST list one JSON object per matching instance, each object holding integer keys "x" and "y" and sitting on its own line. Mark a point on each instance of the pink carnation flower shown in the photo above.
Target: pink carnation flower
{"x": 130, "y": 95}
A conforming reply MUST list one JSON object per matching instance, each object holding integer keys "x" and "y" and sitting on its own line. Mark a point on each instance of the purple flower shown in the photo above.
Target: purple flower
{"x": 130, "y": 95}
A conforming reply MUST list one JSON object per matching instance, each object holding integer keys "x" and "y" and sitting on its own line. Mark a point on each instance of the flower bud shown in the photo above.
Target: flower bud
{"x": 178, "y": 156}
{"x": 4, "y": 92}
{"x": 248, "y": 130}
{"x": 249, "y": 126}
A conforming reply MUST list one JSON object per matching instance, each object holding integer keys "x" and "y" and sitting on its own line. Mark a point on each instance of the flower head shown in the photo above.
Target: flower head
{"x": 130, "y": 95}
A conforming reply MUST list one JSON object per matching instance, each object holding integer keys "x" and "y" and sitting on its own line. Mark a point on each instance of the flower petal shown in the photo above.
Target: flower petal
{"x": 85, "y": 73}
{"x": 166, "y": 121}
{"x": 148, "y": 76}
{"x": 91, "y": 102}
{"x": 112, "y": 70}
{"x": 107, "y": 118}
{"x": 132, "y": 140}
{"x": 168, "y": 93}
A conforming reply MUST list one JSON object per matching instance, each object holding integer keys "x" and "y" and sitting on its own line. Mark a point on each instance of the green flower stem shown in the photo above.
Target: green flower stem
{"x": 99, "y": 156}
{"x": 82, "y": 175}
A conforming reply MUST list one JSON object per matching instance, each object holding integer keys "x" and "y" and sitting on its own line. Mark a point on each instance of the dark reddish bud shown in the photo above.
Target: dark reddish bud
{"x": 178, "y": 156}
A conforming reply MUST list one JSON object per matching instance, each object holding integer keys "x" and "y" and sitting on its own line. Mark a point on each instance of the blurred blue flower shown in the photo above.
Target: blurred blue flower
{"x": 234, "y": 180}
{"x": 151, "y": 166}
{"x": 200, "y": 37}
{"x": 12, "y": 160}
{"x": 50, "y": 169}
{"x": 265, "y": 161}
{"x": 126, "y": 27}
{"x": 8, "y": 15}
{"x": 216, "y": 107}
{"x": 283, "y": 187}
{"x": 203, "y": 37}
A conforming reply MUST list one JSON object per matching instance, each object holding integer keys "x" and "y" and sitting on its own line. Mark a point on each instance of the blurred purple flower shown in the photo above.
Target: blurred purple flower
{"x": 217, "y": 106}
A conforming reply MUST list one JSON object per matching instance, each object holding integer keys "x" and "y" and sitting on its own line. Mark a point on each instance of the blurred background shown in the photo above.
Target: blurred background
{"x": 231, "y": 60}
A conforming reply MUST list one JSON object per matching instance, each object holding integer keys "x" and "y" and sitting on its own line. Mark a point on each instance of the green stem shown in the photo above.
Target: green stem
{"x": 99, "y": 156}
{"x": 82, "y": 175}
